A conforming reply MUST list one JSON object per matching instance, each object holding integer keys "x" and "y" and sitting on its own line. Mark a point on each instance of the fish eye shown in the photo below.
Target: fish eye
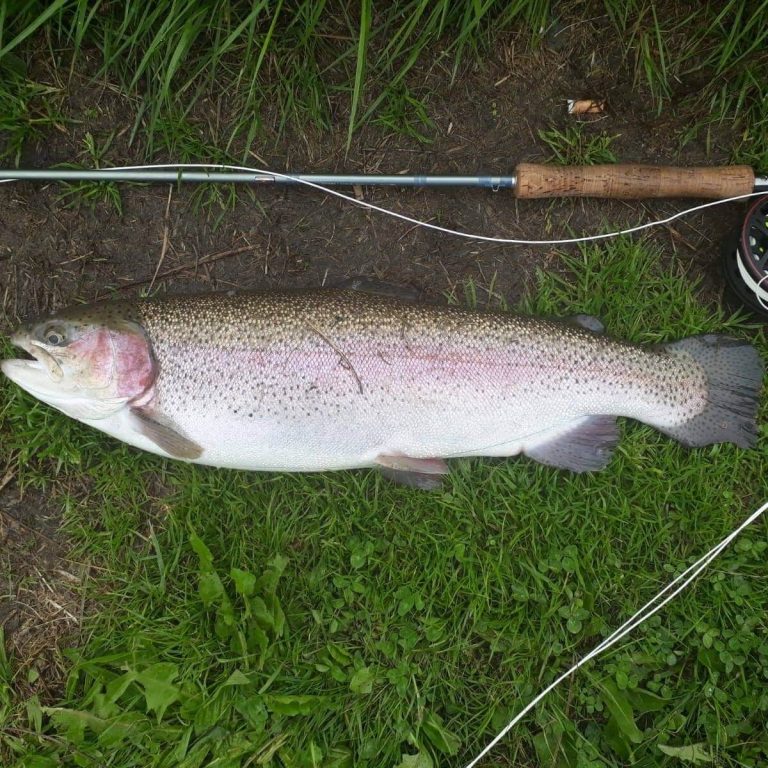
{"x": 54, "y": 336}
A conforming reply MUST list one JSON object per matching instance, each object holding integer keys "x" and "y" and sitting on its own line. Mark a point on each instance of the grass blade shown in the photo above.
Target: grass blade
{"x": 34, "y": 25}
{"x": 362, "y": 47}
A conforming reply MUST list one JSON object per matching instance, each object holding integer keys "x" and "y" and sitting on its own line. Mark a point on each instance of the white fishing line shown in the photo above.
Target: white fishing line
{"x": 761, "y": 294}
{"x": 426, "y": 224}
{"x": 655, "y": 604}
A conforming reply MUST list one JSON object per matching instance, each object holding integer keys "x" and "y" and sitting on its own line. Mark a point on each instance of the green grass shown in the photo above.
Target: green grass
{"x": 248, "y": 619}
{"x": 27, "y": 110}
{"x": 225, "y": 64}
{"x": 91, "y": 193}
{"x": 721, "y": 45}
{"x": 241, "y": 57}
{"x": 576, "y": 145}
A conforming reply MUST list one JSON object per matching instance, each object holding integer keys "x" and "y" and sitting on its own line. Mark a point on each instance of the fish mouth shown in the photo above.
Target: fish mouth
{"x": 35, "y": 365}
{"x": 24, "y": 345}
{"x": 29, "y": 352}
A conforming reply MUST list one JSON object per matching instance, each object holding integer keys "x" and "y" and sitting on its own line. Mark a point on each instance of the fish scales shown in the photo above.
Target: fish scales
{"x": 329, "y": 379}
{"x": 361, "y": 375}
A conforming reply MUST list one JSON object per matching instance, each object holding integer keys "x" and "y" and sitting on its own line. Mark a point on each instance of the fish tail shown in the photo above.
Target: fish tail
{"x": 734, "y": 374}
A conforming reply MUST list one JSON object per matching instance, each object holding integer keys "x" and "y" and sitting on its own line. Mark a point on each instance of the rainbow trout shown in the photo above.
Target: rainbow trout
{"x": 335, "y": 379}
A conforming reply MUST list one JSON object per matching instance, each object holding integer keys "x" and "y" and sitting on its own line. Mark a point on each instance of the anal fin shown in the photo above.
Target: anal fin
{"x": 165, "y": 434}
{"x": 585, "y": 445}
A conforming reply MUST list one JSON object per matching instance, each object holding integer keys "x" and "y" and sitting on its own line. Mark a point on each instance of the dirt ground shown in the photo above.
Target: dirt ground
{"x": 486, "y": 121}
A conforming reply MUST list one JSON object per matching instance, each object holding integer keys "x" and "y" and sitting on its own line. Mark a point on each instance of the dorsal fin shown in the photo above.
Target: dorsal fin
{"x": 378, "y": 288}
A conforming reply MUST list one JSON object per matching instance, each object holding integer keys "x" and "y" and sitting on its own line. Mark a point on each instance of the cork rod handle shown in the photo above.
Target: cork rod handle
{"x": 632, "y": 181}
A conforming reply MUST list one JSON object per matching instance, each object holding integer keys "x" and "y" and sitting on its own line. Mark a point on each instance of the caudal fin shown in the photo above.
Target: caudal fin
{"x": 735, "y": 374}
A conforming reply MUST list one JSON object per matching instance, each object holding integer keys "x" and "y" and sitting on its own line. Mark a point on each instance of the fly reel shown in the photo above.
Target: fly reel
{"x": 745, "y": 260}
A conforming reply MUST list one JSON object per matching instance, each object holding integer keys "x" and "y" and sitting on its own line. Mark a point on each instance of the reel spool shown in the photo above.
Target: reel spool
{"x": 745, "y": 260}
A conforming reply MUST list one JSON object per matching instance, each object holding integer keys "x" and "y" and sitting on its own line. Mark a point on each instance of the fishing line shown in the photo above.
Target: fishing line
{"x": 426, "y": 224}
{"x": 756, "y": 287}
{"x": 655, "y": 604}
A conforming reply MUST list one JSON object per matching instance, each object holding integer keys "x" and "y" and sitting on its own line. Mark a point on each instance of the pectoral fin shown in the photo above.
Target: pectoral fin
{"x": 424, "y": 474}
{"x": 165, "y": 434}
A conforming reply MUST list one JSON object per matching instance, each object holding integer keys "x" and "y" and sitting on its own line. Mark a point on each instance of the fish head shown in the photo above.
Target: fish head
{"x": 88, "y": 362}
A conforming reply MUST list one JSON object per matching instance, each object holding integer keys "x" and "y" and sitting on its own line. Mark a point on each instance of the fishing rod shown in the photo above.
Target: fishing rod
{"x": 744, "y": 253}
{"x": 530, "y": 180}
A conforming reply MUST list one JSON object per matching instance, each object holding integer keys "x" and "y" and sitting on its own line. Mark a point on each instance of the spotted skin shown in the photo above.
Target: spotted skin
{"x": 333, "y": 379}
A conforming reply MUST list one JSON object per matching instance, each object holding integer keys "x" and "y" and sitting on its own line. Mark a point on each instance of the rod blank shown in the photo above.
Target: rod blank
{"x": 241, "y": 177}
